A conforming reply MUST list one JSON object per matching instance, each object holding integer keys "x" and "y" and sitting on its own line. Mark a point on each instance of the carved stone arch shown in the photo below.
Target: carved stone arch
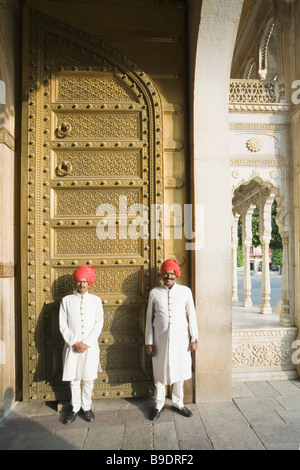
{"x": 94, "y": 139}
{"x": 263, "y": 49}
{"x": 247, "y": 192}
{"x": 242, "y": 178}
{"x": 249, "y": 68}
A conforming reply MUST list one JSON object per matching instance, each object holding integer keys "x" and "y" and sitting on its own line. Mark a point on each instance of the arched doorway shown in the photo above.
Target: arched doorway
{"x": 263, "y": 334}
{"x": 254, "y": 218}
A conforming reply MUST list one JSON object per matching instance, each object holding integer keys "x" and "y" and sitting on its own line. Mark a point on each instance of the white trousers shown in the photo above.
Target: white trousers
{"x": 177, "y": 395}
{"x": 81, "y": 397}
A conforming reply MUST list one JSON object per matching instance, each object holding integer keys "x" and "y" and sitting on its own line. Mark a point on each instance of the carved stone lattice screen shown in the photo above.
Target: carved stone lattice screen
{"x": 253, "y": 91}
{"x": 92, "y": 135}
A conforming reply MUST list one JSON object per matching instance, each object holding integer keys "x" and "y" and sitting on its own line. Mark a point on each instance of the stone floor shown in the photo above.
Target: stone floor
{"x": 250, "y": 318}
{"x": 262, "y": 415}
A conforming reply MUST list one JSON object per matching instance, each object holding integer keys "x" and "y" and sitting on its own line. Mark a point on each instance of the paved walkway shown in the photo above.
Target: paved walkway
{"x": 262, "y": 415}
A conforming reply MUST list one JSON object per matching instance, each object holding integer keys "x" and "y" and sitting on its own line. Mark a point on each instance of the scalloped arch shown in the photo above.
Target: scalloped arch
{"x": 266, "y": 183}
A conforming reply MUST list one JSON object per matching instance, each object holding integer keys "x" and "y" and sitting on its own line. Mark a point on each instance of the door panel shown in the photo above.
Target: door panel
{"x": 92, "y": 160}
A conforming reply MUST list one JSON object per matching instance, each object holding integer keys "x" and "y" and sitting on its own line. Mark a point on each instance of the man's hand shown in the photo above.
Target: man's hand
{"x": 193, "y": 346}
{"x": 149, "y": 350}
{"x": 80, "y": 347}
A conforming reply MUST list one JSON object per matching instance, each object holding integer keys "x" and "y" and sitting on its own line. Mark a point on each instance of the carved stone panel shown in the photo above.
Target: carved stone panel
{"x": 92, "y": 162}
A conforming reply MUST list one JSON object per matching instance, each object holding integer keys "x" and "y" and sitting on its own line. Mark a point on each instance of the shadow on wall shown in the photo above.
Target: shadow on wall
{"x": 49, "y": 343}
{"x": 122, "y": 362}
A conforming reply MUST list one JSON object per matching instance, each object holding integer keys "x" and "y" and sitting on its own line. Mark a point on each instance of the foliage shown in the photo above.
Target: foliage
{"x": 255, "y": 228}
{"x": 277, "y": 257}
{"x": 276, "y": 241}
{"x": 240, "y": 256}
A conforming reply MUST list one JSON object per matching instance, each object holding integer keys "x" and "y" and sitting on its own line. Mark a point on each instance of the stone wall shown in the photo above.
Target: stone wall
{"x": 7, "y": 209}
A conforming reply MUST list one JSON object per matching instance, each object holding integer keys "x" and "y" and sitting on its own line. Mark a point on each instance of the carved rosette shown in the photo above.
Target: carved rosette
{"x": 274, "y": 169}
{"x": 254, "y": 144}
{"x": 94, "y": 135}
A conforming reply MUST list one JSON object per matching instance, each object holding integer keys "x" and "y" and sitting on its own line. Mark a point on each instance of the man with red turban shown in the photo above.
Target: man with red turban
{"x": 80, "y": 323}
{"x": 86, "y": 272}
{"x": 171, "y": 334}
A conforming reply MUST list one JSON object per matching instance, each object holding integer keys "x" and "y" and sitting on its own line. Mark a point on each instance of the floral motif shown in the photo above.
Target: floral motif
{"x": 272, "y": 354}
{"x": 254, "y": 144}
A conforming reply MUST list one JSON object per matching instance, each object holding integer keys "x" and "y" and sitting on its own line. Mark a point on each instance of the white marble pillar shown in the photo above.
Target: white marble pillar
{"x": 285, "y": 319}
{"x": 234, "y": 246}
{"x": 265, "y": 280}
{"x": 266, "y": 198}
{"x": 247, "y": 241}
{"x": 212, "y": 27}
{"x": 8, "y": 217}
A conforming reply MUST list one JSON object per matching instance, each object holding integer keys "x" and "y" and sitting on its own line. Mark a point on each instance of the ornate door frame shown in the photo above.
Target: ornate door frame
{"x": 116, "y": 112}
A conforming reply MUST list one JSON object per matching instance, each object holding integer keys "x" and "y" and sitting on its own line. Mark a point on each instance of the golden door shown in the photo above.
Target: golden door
{"x": 91, "y": 171}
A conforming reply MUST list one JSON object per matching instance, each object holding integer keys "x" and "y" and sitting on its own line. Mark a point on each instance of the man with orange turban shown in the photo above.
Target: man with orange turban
{"x": 80, "y": 323}
{"x": 171, "y": 334}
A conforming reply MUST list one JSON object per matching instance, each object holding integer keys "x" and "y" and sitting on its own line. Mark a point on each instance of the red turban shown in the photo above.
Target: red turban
{"x": 85, "y": 272}
{"x": 170, "y": 265}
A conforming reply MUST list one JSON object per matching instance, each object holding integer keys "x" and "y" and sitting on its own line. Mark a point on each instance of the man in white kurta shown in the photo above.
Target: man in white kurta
{"x": 80, "y": 322}
{"x": 171, "y": 334}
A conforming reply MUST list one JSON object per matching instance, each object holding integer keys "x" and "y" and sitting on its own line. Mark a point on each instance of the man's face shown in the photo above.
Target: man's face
{"x": 82, "y": 286}
{"x": 169, "y": 278}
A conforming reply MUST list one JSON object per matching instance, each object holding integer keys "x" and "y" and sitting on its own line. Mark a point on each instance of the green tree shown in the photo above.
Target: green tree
{"x": 276, "y": 241}
{"x": 255, "y": 228}
{"x": 240, "y": 256}
{"x": 277, "y": 257}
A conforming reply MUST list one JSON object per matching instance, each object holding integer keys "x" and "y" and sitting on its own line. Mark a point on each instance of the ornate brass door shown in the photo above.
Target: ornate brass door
{"x": 92, "y": 160}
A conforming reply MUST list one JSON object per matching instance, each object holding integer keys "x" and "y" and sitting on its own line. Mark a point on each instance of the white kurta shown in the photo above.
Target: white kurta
{"x": 81, "y": 320}
{"x": 171, "y": 325}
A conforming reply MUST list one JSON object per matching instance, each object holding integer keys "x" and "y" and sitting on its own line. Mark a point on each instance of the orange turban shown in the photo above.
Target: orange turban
{"x": 85, "y": 272}
{"x": 170, "y": 265}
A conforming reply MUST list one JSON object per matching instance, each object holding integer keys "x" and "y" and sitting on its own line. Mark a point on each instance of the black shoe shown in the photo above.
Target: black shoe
{"x": 71, "y": 416}
{"x": 89, "y": 415}
{"x": 183, "y": 411}
{"x": 155, "y": 414}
